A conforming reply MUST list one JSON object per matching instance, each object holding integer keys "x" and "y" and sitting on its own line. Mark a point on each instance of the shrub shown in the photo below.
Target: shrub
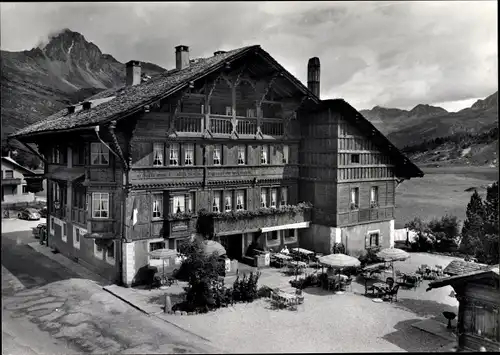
{"x": 338, "y": 248}
{"x": 264, "y": 291}
{"x": 446, "y": 233}
{"x": 245, "y": 289}
{"x": 370, "y": 257}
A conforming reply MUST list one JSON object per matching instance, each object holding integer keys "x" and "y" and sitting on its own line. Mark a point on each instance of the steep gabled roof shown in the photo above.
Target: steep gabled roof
{"x": 460, "y": 267}
{"x": 404, "y": 168}
{"x": 14, "y": 163}
{"x": 491, "y": 271}
{"x": 124, "y": 101}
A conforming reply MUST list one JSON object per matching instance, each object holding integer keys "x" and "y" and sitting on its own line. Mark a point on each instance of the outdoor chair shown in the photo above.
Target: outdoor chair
{"x": 300, "y": 296}
{"x": 393, "y": 293}
{"x": 399, "y": 276}
{"x": 348, "y": 284}
{"x": 411, "y": 282}
{"x": 389, "y": 281}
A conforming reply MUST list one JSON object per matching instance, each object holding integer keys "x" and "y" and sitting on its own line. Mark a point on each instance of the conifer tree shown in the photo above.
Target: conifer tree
{"x": 473, "y": 227}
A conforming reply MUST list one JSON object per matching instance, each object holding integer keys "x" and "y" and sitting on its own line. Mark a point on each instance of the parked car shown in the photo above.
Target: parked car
{"x": 43, "y": 212}
{"x": 37, "y": 231}
{"x": 30, "y": 214}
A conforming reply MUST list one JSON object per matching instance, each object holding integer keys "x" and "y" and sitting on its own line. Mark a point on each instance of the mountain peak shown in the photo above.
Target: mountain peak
{"x": 490, "y": 102}
{"x": 427, "y": 110}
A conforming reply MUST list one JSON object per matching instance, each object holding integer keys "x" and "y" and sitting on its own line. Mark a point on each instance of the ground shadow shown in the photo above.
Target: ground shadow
{"x": 426, "y": 308}
{"x": 412, "y": 339}
{"x": 31, "y": 268}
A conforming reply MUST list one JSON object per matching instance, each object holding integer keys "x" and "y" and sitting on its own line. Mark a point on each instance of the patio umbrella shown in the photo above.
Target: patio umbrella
{"x": 211, "y": 246}
{"x": 339, "y": 261}
{"x": 392, "y": 255}
{"x": 163, "y": 254}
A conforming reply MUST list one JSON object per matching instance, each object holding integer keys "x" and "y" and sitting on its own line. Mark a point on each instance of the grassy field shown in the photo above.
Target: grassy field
{"x": 441, "y": 191}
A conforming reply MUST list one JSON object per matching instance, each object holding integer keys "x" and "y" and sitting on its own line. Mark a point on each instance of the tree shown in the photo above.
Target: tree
{"x": 446, "y": 232}
{"x": 473, "y": 227}
{"x": 34, "y": 163}
{"x": 424, "y": 240}
{"x": 489, "y": 243}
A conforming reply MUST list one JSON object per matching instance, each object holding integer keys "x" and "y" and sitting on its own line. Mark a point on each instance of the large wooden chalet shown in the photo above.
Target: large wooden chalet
{"x": 232, "y": 147}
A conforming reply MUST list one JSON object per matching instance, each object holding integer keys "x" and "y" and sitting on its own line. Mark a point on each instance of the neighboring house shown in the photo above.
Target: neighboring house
{"x": 478, "y": 293}
{"x": 14, "y": 186}
{"x": 226, "y": 146}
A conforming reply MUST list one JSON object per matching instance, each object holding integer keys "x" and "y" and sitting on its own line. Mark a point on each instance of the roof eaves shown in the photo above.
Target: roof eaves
{"x": 463, "y": 277}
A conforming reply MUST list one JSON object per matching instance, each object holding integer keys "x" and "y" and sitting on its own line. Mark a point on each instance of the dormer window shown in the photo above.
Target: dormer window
{"x": 86, "y": 105}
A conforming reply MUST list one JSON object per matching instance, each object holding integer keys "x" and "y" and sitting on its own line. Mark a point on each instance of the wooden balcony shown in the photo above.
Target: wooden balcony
{"x": 11, "y": 181}
{"x": 79, "y": 216}
{"x": 191, "y": 123}
{"x": 251, "y": 221}
{"x": 366, "y": 215}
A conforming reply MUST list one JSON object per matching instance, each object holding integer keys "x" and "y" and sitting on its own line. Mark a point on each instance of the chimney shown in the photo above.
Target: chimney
{"x": 181, "y": 57}
{"x": 219, "y": 53}
{"x": 71, "y": 109}
{"x": 86, "y": 105}
{"x": 133, "y": 72}
{"x": 313, "y": 74}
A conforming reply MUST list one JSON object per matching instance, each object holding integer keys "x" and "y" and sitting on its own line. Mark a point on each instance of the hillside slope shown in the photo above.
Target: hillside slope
{"x": 38, "y": 82}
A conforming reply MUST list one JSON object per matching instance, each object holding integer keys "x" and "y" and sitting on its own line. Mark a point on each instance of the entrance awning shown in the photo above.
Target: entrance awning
{"x": 285, "y": 226}
{"x": 66, "y": 174}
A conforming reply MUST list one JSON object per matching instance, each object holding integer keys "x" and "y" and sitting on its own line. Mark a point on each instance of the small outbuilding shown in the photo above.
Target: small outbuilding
{"x": 478, "y": 293}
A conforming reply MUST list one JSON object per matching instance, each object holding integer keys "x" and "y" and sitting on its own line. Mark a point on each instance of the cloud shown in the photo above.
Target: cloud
{"x": 394, "y": 54}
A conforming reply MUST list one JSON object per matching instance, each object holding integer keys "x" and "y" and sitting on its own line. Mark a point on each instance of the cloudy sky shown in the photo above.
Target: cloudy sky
{"x": 392, "y": 54}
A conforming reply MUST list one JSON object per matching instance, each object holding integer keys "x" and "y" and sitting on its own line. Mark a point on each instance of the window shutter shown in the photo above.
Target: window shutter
{"x": 380, "y": 239}
{"x": 367, "y": 241}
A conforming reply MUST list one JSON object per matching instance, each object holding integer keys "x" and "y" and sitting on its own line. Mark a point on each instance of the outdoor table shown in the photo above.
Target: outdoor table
{"x": 381, "y": 286}
{"x": 281, "y": 258}
{"x": 297, "y": 264}
{"x": 302, "y": 251}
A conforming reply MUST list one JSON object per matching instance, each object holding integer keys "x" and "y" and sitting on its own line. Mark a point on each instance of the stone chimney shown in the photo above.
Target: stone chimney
{"x": 133, "y": 72}
{"x": 313, "y": 74}
{"x": 219, "y": 53}
{"x": 181, "y": 57}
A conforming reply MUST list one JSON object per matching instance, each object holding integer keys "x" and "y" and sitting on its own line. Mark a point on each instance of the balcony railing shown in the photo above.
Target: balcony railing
{"x": 189, "y": 123}
{"x": 11, "y": 181}
{"x": 79, "y": 215}
{"x": 247, "y": 126}
{"x": 252, "y": 221}
{"x": 221, "y": 125}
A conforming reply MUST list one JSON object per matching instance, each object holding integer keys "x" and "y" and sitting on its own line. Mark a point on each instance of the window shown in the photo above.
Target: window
{"x": 241, "y": 154}
{"x": 157, "y": 205}
{"x": 274, "y": 198}
{"x": 481, "y": 321}
{"x": 79, "y": 155}
{"x": 190, "y": 202}
{"x": 263, "y": 197}
{"x": 285, "y": 154}
{"x": 354, "y": 198}
{"x": 229, "y": 111}
{"x": 251, "y": 113}
{"x": 25, "y": 189}
{"x": 227, "y": 202}
{"x": 272, "y": 236}
{"x": 56, "y": 155}
{"x": 56, "y": 193}
{"x": 284, "y": 196}
{"x": 355, "y": 158}
{"x": 99, "y": 154}
{"x": 178, "y": 204}
{"x": 217, "y": 155}
{"x": 158, "y": 149}
{"x": 240, "y": 200}
{"x": 374, "y": 196}
{"x": 289, "y": 235}
{"x": 264, "y": 154}
{"x": 374, "y": 240}
{"x": 174, "y": 154}
{"x": 77, "y": 235}
{"x": 9, "y": 174}
{"x": 189, "y": 154}
{"x": 216, "y": 202}
{"x": 100, "y": 205}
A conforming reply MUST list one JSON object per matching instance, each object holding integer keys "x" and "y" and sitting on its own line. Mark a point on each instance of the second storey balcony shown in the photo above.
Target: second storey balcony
{"x": 261, "y": 220}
